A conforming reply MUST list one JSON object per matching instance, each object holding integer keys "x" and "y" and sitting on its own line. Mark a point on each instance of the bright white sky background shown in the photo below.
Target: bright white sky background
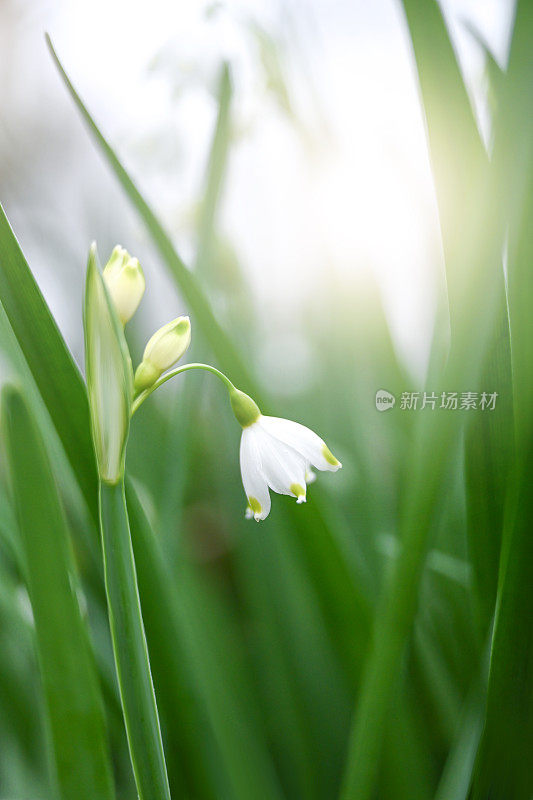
{"x": 358, "y": 197}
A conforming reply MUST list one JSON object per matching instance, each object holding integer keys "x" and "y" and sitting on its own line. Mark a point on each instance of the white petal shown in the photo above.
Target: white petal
{"x": 310, "y": 446}
{"x": 255, "y": 484}
{"x": 310, "y": 476}
{"x": 282, "y": 467}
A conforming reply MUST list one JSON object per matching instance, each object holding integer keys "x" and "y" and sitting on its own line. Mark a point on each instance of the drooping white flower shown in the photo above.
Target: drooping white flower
{"x": 276, "y": 454}
{"x": 125, "y": 282}
{"x": 164, "y": 348}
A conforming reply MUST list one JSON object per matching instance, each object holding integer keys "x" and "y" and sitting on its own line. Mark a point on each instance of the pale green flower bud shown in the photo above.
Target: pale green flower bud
{"x": 125, "y": 282}
{"x": 165, "y": 347}
{"x": 109, "y": 375}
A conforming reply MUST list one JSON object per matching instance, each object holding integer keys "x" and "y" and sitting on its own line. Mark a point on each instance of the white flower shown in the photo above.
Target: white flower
{"x": 277, "y": 454}
{"x": 125, "y": 283}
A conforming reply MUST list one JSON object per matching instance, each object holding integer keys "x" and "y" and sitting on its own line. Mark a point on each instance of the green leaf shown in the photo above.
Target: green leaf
{"x": 457, "y": 774}
{"x": 216, "y": 170}
{"x": 130, "y": 649}
{"x": 73, "y": 700}
{"x": 503, "y": 765}
{"x": 109, "y": 374}
{"x": 458, "y": 160}
{"x": 456, "y": 150}
{"x": 52, "y": 366}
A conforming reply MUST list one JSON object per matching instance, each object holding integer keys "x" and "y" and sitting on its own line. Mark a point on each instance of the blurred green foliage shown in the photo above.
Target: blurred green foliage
{"x": 374, "y": 643}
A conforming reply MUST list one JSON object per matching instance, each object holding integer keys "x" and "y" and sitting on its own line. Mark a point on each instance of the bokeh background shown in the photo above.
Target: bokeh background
{"x": 283, "y": 146}
{"x": 327, "y": 173}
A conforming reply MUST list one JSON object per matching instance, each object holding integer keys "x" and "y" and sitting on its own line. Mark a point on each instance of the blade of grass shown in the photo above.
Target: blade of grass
{"x": 458, "y": 157}
{"x": 488, "y": 458}
{"x": 502, "y": 768}
{"x": 129, "y": 645}
{"x": 74, "y": 704}
{"x": 216, "y": 169}
{"x": 457, "y": 775}
{"x": 456, "y": 150}
{"x": 51, "y": 364}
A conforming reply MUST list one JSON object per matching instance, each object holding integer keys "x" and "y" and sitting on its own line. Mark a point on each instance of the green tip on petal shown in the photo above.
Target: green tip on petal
{"x": 245, "y": 409}
{"x": 298, "y": 491}
{"x": 330, "y": 458}
{"x": 183, "y": 326}
{"x": 255, "y": 507}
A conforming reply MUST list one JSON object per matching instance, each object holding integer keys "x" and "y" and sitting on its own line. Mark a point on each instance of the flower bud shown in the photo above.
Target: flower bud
{"x": 109, "y": 375}
{"x": 165, "y": 347}
{"x": 125, "y": 282}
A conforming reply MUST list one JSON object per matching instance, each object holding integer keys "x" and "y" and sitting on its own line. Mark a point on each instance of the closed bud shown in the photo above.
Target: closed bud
{"x": 165, "y": 347}
{"x": 109, "y": 375}
{"x": 125, "y": 283}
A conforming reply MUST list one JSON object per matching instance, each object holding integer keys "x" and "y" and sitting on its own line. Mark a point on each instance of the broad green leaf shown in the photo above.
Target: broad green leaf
{"x": 52, "y": 366}
{"x": 73, "y": 700}
{"x": 109, "y": 374}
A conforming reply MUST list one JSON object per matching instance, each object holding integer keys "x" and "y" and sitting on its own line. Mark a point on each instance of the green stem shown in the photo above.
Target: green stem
{"x": 164, "y": 378}
{"x": 129, "y": 647}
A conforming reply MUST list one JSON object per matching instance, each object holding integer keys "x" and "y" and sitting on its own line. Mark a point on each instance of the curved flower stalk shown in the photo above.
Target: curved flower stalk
{"x": 275, "y": 454}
